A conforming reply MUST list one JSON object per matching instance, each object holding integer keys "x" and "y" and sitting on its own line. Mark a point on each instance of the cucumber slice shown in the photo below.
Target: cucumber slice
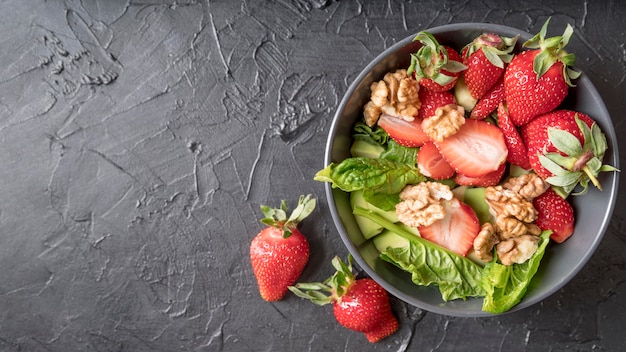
{"x": 362, "y": 148}
{"x": 369, "y": 228}
{"x": 389, "y": 239}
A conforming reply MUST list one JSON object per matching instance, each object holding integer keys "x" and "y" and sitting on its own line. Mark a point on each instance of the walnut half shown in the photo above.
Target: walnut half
{"x": 396, "y": 95}
{"x": 485, "y": 241}
{"x": 446, "y": 122}
{"x": 518, "y": 249}
{"x": 421, "y": 203}
{"x": 517, "y": 236}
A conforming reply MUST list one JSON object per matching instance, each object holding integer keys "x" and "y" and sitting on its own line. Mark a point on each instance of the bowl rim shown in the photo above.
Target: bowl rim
{"x": 609, "y": 132}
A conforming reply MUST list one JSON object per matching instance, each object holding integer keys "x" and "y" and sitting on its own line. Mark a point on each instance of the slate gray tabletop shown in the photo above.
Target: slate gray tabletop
{"x": 138, "y": 139}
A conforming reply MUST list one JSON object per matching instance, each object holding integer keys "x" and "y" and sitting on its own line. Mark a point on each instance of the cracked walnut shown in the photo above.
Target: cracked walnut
{"x": 396, "y": 95}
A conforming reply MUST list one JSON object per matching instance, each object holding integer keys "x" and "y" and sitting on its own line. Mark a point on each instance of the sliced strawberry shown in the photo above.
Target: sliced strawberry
{"x": 406, "y": 133}
{"x": 432, "y": 164}
{"x": 457, "y": 230}
{"x": 431, "y": 100}
{"x": 554, "y": 213}
{"x": 518, "y": 153}
{"x": 490, "y": 179}
{"x": 477, "y": 149}
{"x": 489, "y": 103}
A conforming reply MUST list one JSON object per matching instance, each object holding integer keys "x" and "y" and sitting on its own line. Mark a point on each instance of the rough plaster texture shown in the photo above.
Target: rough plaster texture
{"x": 138, "y": 139}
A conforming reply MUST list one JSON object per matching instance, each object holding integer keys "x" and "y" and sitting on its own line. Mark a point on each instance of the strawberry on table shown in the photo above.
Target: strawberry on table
{"x": 435, "y": 66}
{"x": 537, "y": 80}
{"x": 406, "y": 133}
{"x": 566, "y": 149}
{"x": 554, "y": 213}
{"x": 457, "y": 230}
{"x": 477, "y": 149}
{"x": 518, "y": 153}
{"x": 485, "y": 58}
{"x": 280, "y": 252}
{"x": 361, "y": 305}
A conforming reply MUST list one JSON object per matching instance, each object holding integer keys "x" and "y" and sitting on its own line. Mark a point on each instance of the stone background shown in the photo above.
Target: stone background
{"x": 138, "y": 139}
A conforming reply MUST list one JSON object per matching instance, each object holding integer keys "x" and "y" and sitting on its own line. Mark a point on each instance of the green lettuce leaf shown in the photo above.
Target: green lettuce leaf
{"x": 505, "y": 286}
{"x": 375, "y": 135}
{"x": 399, "y": 153}
{"x": 429, "y": 264}
{"x": 377, "y": 175}
{"x": 456, "y": 276}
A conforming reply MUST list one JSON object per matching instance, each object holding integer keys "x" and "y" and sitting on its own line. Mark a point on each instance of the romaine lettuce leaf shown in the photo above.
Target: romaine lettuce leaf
{"x": 505, "y": 286}
{"x": 430, "y": 264}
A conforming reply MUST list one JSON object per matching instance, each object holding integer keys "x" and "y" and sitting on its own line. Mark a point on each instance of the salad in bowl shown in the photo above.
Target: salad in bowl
{"x": 471, "y": 169}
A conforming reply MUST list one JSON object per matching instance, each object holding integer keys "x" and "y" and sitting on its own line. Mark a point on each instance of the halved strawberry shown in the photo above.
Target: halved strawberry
{"x": 554, "y": 213}
{"x": 490, "y": 179}
{"x": 457, "y": 230}
{"x": 489, "y": 102}
{"x": 432, "y": 164}
{"x": 431, "y": 100}
{"x": 477, "y": 149}
{"x": 406, "y": 133}
{"x": 518, "y": 153}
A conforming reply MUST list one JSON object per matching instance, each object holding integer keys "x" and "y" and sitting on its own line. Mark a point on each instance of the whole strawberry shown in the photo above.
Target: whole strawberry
{"x": 537, "y": 80}
{"x": 518, "y": 153}
{"x": 489, "y": 102}
{"x": 431, "y": 100}
{"x": 485, "y": 58}
{"x": 566, "y": 149}
{"x": 556, "y": 214}
{"x": 435, "y": 66}
{"x": 280, "y": 251}
{"x": 358, "y": 304}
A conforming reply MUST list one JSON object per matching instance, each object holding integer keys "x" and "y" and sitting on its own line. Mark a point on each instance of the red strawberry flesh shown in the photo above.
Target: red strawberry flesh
{"x": 432, "y": 164}
{"x": 406, "y": 133}
{"x": 457, "y": 230}
{"x": 477, "y": 149}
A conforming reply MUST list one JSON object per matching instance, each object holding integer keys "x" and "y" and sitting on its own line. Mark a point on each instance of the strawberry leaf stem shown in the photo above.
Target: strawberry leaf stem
{"x": 277, "y": 217}
{"x": 551, "y": 52}
{"x": 332, "y": 289}
{"x": 574, "y": 163}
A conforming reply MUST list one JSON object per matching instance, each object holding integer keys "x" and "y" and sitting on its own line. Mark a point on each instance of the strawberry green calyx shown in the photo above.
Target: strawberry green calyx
{"x": 576, "y": 163}
{"x": 332, "y": 289}
{"x": 430, "y": 59}
{"x": 277, "y": 217}
{"x": 498, "y": 50}
{"x": 552, "y": 51}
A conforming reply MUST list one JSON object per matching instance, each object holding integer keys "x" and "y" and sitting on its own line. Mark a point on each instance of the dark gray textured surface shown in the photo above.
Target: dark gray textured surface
{"x": 138, "y": 139}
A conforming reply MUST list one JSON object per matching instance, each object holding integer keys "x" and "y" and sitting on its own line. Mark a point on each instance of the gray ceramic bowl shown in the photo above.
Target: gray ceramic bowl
{"x": 561, "y": 262}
